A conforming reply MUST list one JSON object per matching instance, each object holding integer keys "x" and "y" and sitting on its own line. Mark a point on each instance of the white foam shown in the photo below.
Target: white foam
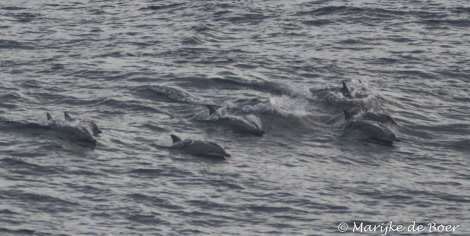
{"x": 284, "y": 106}
{"x": 297, "y": 90}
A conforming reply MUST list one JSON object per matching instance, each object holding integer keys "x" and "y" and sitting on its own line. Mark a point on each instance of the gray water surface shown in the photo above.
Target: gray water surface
{"x": 144, "y": 69}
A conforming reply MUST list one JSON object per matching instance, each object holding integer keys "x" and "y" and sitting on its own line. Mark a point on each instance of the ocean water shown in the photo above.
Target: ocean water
{"x": 143, "y": 70}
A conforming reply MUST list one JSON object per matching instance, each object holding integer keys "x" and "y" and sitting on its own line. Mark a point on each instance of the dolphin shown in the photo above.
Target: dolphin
{"x": 89, "y": 125}
{"x": 238, "y": 124}
{"x": 374, "y": 131}
{"x": 64, "y": 130}
{"x": 199, "y": 148}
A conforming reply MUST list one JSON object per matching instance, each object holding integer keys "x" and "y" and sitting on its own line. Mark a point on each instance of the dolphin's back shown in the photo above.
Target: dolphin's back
{"x": 241, "y": 125}
{"x": 379, "y": 117}
{"x": 374, "y": 130}
{"x": 199, "y": 148}
{"x": 90, "y": 126}
{"x": 209, "y": 149}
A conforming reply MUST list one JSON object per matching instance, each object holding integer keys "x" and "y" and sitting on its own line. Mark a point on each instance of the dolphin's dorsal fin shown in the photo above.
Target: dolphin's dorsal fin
{"x": 67, "y": 116}
{"x": 175, "y": 138}
{"x": 345, "y": 90}
{"x": 49, "y": 117}
{"x": 95, "y": 128}
{"x": 347, "y": 115}
{"x": 212, "y": 109}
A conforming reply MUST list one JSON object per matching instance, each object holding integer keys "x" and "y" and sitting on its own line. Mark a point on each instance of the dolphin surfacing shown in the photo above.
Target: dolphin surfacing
{"x": 374, "y": 131}
{"x": 85, "y": 124}
{"x": 372, "y": 127}
{"x": 236, "y": 123}
{"x": 64, "y": 130}
{"x": 199, "y": 148}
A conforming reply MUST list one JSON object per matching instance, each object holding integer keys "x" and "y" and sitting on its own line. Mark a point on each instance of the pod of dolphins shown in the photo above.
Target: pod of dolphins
{"x": 373, "y": 126}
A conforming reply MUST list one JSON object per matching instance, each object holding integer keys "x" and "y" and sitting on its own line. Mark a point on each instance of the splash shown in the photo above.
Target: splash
{"x": 296, "y": 90}
{"x": 284, "y": 106}
{"x": 362, "y": 95}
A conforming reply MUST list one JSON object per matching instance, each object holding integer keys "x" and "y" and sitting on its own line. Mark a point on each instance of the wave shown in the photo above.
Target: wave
{"x": 362, "y": 95}
{"x": 163, "y": 7}
{"x": 11, "y": 44}
{"x": 284, "y": 106}
{"x": 232, "y": 82}
{"x": 168, "y": 94}
{"x": 357, "y": 12}
{"x": 462, "y": 145}
{"x": 24, "y": 168}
